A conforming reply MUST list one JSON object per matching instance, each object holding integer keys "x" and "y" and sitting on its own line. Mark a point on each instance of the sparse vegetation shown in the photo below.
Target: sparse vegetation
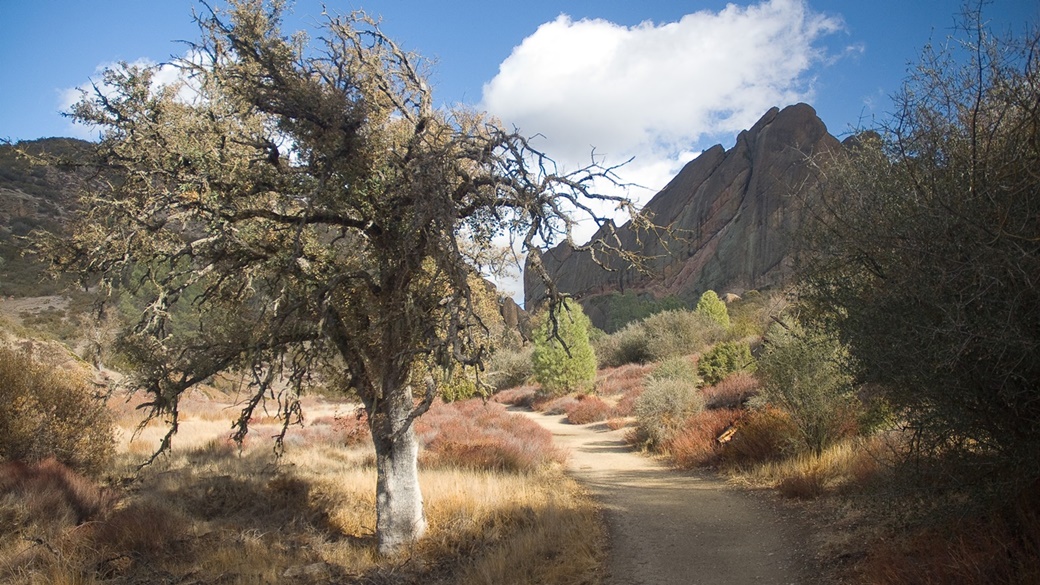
{"x": 208, "y": 512}
{"x": 663, "y": 408}
{"x": 51, "y": 412}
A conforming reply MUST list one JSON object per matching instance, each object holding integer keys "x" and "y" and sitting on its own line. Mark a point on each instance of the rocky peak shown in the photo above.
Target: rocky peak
{"x": 728, "y": 216}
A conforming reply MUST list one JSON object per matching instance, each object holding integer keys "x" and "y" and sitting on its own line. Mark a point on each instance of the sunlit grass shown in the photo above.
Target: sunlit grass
{"x": 210, "y": 512}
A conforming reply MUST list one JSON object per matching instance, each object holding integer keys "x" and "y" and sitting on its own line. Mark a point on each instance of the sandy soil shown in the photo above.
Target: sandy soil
{"x": 12, "y": 308}
{"x": 668, "y": 527}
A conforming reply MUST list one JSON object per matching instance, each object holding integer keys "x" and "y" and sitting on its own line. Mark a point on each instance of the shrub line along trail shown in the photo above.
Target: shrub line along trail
{"x": 668, "y": 527}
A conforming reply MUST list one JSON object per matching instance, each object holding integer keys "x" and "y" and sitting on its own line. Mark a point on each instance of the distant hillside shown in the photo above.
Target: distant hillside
{"x": 33, "y": 196}
{"x": 729, "y": 213}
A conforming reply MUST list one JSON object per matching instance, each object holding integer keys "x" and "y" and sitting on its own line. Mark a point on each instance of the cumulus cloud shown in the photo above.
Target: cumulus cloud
{"x": 657, "y": 92}
{"x": 164, "y": 74}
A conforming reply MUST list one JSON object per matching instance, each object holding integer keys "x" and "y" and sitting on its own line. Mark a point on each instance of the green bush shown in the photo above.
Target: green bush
{"x": 663, "y": 408}
{"x": 563, "y": 360}
{"x": 677, "y": 368}
{"x": 724, "y": 359}
{"x": 806, "y": 373}
{"x": 679, "y": 333}
{"x": 509, "y": 368}
{"x": 625, "y": 308}
{"x": 49, "y": 412}
{"x": 712, "y": 307}
{"x": 628, "y": 346}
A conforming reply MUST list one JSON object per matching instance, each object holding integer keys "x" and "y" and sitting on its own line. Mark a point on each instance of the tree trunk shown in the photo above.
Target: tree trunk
{"x": 399, "y": 504}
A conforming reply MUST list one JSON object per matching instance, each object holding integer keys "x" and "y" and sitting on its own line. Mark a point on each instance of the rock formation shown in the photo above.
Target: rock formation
{"x": 728, "y": 214}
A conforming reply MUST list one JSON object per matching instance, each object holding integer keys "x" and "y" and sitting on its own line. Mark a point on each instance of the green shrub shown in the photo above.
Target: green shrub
{"x": 677, "y": 368}
{"x": 628, "y": 346}
{"x": 806, "y": 373}
{"x": 48, "y": 412}
{"x": 509, "y": 368}
{"x": 563, "y": 360}
{"x": 663, "y": 407}
{"x": 724, "y": 359}
{"x": 679, "y": 333}
{"x": 712, "y": 307}
{"x": 625, "y": 308}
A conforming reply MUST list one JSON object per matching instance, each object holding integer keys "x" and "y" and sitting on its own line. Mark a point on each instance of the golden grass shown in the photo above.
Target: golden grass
{"x": 848, "y": 463}
{"x": 208, "y": 512}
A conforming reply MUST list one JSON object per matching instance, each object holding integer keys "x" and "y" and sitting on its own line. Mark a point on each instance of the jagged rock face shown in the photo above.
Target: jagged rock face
{"x": 729, "y": 217}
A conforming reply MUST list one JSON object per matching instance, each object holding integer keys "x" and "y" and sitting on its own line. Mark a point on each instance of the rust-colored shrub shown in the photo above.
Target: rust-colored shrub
{"x": 555, "y": 406}
{"x": 588, "y": 409}
{"x": 762, "y": 435}
{"x": 622, "y": 380}
{"x": 626, "y": 406}
{"x": 696, "y": 443}
{"x": 482, "y": 435}
{"x": 731, "y": 392}
{"x": 49, "y": 491}
{"x": 519, "y": 396}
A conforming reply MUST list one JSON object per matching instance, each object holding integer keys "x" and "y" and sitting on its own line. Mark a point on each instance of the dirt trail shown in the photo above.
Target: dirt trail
{"x": 670, "y": 527}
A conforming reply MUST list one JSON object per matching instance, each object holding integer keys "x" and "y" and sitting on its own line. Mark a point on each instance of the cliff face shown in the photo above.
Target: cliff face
{"x": 728, "y": 214}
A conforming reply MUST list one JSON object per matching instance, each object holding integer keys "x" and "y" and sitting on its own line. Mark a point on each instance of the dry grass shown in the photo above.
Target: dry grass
{"x": 851, "y": 463}
{"x": 210, "y": 513}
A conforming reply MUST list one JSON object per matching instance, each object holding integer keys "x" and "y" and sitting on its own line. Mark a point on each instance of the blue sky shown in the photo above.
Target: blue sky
{"x": 855, "y": 58}
{"x": 657, "y": 80}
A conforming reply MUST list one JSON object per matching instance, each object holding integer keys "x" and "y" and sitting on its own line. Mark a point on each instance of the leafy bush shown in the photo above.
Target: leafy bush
{"x": 563, "y": 359}
{"x": 926, "y": 259}
{"x": 662, "y": 409}
{"x": 712, "y": 307}
{"x": 50, "y": 412}
{"x": 724, "y": 359}
{"x": 677, "y": 368}
{"x": 806, "y": 373}
{"x": 628, "y": 346}
{"x": 625, "y": 308}
{"x": 509, "y": 368}
{"x": 679, "y": 333}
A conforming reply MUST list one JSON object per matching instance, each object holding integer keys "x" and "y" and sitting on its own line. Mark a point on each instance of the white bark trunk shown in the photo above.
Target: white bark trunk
{"x": 400, "y": 520}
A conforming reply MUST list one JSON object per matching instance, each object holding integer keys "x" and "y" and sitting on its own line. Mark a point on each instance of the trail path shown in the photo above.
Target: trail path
{"x": 669, "y": 527}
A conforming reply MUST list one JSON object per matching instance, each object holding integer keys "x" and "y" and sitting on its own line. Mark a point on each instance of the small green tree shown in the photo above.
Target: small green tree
{"x": 724, "y": 359}
{"x": 806, "y": 373}
{"x": 712, "y": 306}
{"x": 563, "y": 359}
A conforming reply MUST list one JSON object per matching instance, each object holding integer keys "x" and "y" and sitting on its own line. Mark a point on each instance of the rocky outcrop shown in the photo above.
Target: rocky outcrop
{"x": 726, "y": 220}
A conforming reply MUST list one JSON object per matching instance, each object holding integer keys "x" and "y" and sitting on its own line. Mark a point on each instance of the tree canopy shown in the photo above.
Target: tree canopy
{"x": 299, "y": 210}
{"x": 925, "y": 252}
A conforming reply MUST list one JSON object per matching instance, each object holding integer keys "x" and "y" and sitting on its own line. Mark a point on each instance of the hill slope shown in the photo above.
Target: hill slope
{"x": 729, "y": 213}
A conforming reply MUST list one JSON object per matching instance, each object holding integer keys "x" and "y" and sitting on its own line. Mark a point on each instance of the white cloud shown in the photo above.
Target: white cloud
{"x": 657, "y": 91}
{"x": 164, "y": 74}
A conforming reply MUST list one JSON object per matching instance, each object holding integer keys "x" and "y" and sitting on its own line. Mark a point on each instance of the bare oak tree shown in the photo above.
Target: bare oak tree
{"x": 296, "y": 209}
